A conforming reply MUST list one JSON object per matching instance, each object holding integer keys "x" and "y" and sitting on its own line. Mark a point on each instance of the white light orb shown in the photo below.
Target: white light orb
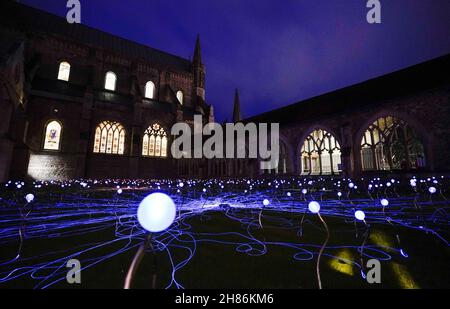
{"x": 339, "y": 194}
{"x": 181, "y": 185}
{"x": 29, "y": 197}
{"x": 119, "y": 191}
{"x": 360, "y": 215}
{"x": 384, "y": 202}
{"x": 351, "y": 185}
{"x": 156, "y": 212}
{"x": 266, "y": 202}
{"x": 304, "y": 191}
{"x": 432, "y": 190}
{"x": 289, "y": 194}
{"x": 314, "y": 207}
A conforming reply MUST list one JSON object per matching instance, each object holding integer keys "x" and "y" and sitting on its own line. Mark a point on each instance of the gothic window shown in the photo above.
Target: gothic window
{"x": 180, "y": 97}
{"x": 110, "y": 81}
{"x": 321, "y": 154}
{"x": 391, "y": 144}
{"x": 150, "y": 90}
{"x": 64, "y": 71}
{"x": 109, "y": 138}
{"x": 154, "y": 143}
{"x": 52, "y": 136}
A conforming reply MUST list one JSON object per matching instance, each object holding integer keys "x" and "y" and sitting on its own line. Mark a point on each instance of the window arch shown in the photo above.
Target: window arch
{"x": 150, "y": 90}
{"x": 391, "y": 144}
{"x": 180, "y": 96}
{"x": 109, "y": 138}
{"x": 321, "y": 154}
{"x": 110, "y": 81}
{"x": 52, "y": 139}
{"x": 64, "y": 71}
{"x": 154, "y": 143}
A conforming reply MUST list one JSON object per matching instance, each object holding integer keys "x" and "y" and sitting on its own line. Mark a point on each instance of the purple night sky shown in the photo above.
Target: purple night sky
{"x": 276, "y": 52}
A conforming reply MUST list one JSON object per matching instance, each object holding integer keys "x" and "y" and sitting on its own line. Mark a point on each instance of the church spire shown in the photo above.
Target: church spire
{"x": 237, "y": 108}
{"x": 197, "y": 61}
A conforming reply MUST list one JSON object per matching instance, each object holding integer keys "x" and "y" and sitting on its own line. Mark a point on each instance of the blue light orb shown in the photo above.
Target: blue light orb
{"x": 266, "y": 202}
{"x": 339, "y": 194}
{"x": 304, "y": 191}
{"x": 156, "y": 212}
{"x": 360, "y": 215}
{"x": 384, "y": 202}
{"x": 289, "y": 194}
{"x": 314, "y": 207}
{"x": 432, "y": 190}
{"x": 29, "y": 197}
{"x": 351, "y": 185}
{"x": 119, "y": 191}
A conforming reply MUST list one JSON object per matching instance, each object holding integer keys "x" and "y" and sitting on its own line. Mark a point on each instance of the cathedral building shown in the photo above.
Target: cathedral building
{"x": 77, "y": 102}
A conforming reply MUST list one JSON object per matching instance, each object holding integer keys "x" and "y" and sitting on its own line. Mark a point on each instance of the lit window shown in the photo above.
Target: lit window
{"x": 154, "y": 143}
{"x": 180, "y": 97}
{"x": 110, "y": 81}
{"x": 150, "y": 90}
{"x": 52, "y": 135}
{"x": 64, "y": 71}
{"x": 321, "y": 154}
{"x": 109, "y": 138}
{"x": 391, "y": 144}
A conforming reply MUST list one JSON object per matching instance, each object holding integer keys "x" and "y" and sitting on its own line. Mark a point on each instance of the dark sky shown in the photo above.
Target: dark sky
{"x": 277, "y": 52}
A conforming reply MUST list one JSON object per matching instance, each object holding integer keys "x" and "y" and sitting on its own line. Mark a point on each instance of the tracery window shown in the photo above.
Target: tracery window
{"x": 321, "y": 154}
{"x": 149, "y": 90}
{"x": 391, "y": 144}
{"x": 109, "y": 138}
{"x": 154, "y": 142}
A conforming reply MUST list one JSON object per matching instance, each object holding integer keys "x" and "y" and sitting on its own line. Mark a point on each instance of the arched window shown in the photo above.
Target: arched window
{"x": 52, "y": 135}
{"x": 109, "y": 138}
{"x": 391, "y": 144}
{"x": 150, "y": 90}
{"x": 321, "y": 154}
{"x": 64, "y": 71}
{"x": 180, "y": 97}
{"x": 110, "y": 81}
{"x": 154, "y": 143}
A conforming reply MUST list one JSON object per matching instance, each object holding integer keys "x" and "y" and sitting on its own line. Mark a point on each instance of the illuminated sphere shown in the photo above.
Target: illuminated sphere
{"x": 289, "y": 194}
{"x": 304, "y": 191}
{"x": 156, "y": 212}
{"x": 351, "y": 185}
{"x": 119, "y": 191}
{"x": 339, "y": 194}
{"x": 360, "y": 215}
{"x": 29, "y": 198}
{"x": 432, "y": 190}
{"x": 314, "y": 207}
{"x": 384, "y": 202}
{"x": 266, "y": 202}
{"x": 181, "y": 185}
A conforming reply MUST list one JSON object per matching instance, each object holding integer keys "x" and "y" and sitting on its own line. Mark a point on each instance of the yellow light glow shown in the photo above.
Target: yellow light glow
{"x": 343, "y": 262}
{"x": 405, "y": 279}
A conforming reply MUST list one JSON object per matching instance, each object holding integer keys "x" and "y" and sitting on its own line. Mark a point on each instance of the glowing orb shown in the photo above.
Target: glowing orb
{"x": 119, "y": 191}
{"x": 432, "y": 190}
{"x": 360, "y": 215}
{"x": 266, "y": 202}
{"x": 289, "y": 194}
{"x": 29, "y": 198}
{"x": 351, "y": 185}
{"x": 156, "y": 212}
{"x": 384, "y": 202}
{"x": 314, "y": 207}
{"x": 304, "y": 191}
{"x": 339, "y": 194}
{"x": 181, "y": 185}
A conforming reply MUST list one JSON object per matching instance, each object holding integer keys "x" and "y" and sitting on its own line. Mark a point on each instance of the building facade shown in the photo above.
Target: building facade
{"x": 80, "y": 103}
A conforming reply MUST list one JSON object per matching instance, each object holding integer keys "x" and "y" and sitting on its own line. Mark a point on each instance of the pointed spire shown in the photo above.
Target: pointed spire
{"x": 197, "y": 53}
{"x": 237, "y": 108}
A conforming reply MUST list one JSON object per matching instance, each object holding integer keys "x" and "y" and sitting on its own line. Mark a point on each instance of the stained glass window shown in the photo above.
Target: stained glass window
{"x": 109, "y": 138}
{"x": 52, "y": 135}
{"x": 155, "y": 142}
